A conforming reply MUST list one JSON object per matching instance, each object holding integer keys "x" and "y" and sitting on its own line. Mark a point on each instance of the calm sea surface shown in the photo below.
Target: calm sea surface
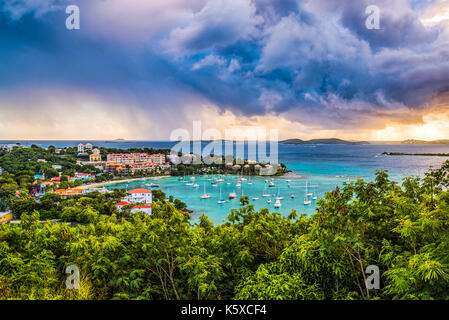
{"x": 320, "y": 167}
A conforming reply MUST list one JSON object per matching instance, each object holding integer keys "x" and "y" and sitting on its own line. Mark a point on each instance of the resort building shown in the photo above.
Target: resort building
{"x": 95, "y": 157}
{"x": 158, "y": 158}
{"x": 84, "y": 147}
{"x": 133, "y": 162}
{"x": 57, "y": 167}
{"x": 128, "y": 157}
{"x": 131, "y": 167}
{"x": 1, "y": 171}
{"x": 96, "y": 151}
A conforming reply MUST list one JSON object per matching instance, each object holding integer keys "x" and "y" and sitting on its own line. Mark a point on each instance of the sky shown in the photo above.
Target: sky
{"x": 140, "y": 69}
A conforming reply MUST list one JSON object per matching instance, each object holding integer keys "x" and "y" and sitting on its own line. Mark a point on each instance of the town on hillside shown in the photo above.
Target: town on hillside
{"x": 76, "y": 171}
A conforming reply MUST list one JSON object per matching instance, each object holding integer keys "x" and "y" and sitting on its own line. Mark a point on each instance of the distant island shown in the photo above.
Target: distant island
{"x": 416, "y": 154}
{"x": 413, "y": 141}
{"x": 322, "y": 141}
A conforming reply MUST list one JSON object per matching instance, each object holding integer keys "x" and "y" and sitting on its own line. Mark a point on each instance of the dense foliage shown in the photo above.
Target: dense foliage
{"x": 254, "y": 255}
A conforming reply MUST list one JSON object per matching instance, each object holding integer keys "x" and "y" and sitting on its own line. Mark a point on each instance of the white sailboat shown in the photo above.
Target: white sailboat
{"x": 306, "y": 197}
{"x": 264, "y": 192}
{"x": 277, "y": 203}
{"x": 221, "y": 201}
{"x": 205, "y": 195}
{"x": 279, "y": 196}
{"x": 309, "y": 194}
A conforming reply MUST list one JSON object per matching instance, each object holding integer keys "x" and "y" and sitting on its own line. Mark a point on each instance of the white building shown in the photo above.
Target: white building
{"x": 139, "y": 195}
{"x": 1, "y": 171}
{"x": 96, "y": 151}
{"x": 84, "y": 147}
{"x": 141, "y": 198}
{"x": 6, "y": 147}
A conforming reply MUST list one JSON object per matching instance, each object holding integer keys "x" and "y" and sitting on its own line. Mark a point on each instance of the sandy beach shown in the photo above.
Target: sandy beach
{"x": 101, "y": 184}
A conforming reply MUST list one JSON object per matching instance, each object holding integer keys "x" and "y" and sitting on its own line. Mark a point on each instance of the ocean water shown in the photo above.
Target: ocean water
{"x": 321, "y": 167}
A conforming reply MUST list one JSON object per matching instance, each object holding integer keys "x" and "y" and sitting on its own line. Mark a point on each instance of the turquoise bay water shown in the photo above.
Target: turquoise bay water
{"x": 252, "y": 187}
{"x": 323, "y": 166}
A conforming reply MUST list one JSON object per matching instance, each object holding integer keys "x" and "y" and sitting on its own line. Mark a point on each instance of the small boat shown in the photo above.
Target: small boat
{"x": 205, "y": 195}
{"x": 265, "y": 194}
{"x": 271, "y": 184}
{"x": 152, "y": 185}
{"x": 232, "y": 195}
{"x": 196, "y": 185}
{"x": 238, "y": 185}
{"x": 314, "y": 191}
{"x": 309, "y": 194}
{"x": 278, "y": 197}
{"x": 269, "y": 201}
{"x": 181, "y": 179}
{"x": 221, "y": 201}
{"x": 220, "y": 180}
{"x": 277, "y": 204}
{"x": 189, "y": 184}
{"x": 192, "y": 178}
{"x": 255, "y": 198}
{"x": 228, "y": 183}
{"x": 292, "y": 196}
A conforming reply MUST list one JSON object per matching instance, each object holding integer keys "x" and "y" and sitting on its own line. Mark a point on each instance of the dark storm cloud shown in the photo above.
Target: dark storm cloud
{"x": 313, "y": 59}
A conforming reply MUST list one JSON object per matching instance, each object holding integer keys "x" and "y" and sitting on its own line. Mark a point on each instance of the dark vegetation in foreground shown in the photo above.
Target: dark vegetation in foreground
{"x": 404, "y": 230}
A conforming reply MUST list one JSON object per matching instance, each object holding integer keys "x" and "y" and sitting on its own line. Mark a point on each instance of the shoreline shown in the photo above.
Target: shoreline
{"x": 102, "y": 184}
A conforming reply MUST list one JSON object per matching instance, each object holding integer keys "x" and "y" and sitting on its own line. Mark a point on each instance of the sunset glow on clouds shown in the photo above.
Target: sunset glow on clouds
{"x": 140, "y": 69}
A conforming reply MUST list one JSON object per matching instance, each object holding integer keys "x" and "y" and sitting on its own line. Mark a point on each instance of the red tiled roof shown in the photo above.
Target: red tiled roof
{"x": 142, "y": 206}
{"x": 139, "y": 190}
{"x": 122, "y": 203}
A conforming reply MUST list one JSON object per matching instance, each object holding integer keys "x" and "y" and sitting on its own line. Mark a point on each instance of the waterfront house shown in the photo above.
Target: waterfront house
{"x": 145, "y": 208}
{"x": 139, "y": 195}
